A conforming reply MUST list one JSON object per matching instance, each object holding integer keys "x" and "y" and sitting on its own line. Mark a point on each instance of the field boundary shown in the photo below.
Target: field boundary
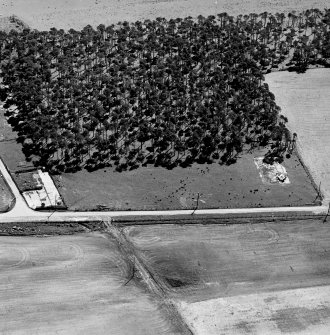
{"x": 16, "y": 228}
{"x": 309, "y": 174}
{"x": 215, "y": 219}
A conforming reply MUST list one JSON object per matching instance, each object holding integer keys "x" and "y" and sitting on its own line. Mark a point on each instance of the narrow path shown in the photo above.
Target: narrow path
{"x": 154, "y": 285}
{"x": 22, "y": 213}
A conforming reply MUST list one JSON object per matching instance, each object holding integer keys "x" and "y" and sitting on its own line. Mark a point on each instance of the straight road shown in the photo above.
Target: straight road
{"x": 21, "y": 212}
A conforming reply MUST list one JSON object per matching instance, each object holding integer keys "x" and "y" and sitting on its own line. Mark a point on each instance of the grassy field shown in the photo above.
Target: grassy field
{"x": 150, "y": 188}
{"x": 305, "y": 99}
{"x": 268, "y": 278}
{"x": 5, "y": 135}
{"x": 10, "y": 150}
{"x": 6, "y": 197}
{"x": 11, "y": 153}
{"x": 66, "y": 14}
{"x": 73, "y": 285}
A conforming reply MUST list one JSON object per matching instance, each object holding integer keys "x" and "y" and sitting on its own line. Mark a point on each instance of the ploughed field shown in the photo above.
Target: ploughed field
{"x": 262, "y": 278}
{"x": 304, "y": 99}
{"x": 73, "y": 285}
{"x": 45, "y": 14}
{"x": 268, "y": 278}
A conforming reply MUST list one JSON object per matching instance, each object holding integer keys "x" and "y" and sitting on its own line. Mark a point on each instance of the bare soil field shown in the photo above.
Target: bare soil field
{"x": 66, "y": 14}
{"x": 268, "y": 278}
{"x": 301, "y": 311}
{"x": 304, "y": 99}
{"x": 150, "y": 188}
{"x": 72, "y": 285}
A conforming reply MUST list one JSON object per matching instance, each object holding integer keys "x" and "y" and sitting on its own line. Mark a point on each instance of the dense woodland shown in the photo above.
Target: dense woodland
{"x": 163, "y": 92}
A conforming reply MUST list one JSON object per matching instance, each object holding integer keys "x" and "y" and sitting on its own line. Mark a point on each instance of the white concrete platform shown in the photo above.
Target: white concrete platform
{"x": 46, "y": 197}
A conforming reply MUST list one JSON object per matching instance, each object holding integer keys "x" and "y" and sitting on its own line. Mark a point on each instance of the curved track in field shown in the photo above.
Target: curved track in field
{"x": 13, "y": 256}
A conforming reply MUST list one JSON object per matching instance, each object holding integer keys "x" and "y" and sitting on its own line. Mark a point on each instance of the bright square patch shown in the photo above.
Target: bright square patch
{"x": 271, "y": 174}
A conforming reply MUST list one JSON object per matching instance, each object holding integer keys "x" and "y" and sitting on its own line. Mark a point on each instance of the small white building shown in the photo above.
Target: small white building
{"x": 45, "y": 197}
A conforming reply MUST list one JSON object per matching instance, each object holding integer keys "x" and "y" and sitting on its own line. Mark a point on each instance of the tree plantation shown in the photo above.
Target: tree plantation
{"x": 163, "y": 92}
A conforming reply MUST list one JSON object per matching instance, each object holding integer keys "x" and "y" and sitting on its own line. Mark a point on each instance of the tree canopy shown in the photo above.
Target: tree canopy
{"x": 162, "y": 92}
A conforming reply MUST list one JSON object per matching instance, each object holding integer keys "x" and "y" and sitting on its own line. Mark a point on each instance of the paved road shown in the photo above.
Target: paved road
{"x": 21, "y": 212}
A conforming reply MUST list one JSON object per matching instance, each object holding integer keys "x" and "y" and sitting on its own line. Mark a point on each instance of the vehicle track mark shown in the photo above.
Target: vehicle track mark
{"x": 8, "y": 252}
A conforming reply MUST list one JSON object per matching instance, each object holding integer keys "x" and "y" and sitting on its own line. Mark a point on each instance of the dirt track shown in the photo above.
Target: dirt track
{"x": 304, "y": 99}
{"x": 72, "y": 285}
{"x": 66, "y": 14}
